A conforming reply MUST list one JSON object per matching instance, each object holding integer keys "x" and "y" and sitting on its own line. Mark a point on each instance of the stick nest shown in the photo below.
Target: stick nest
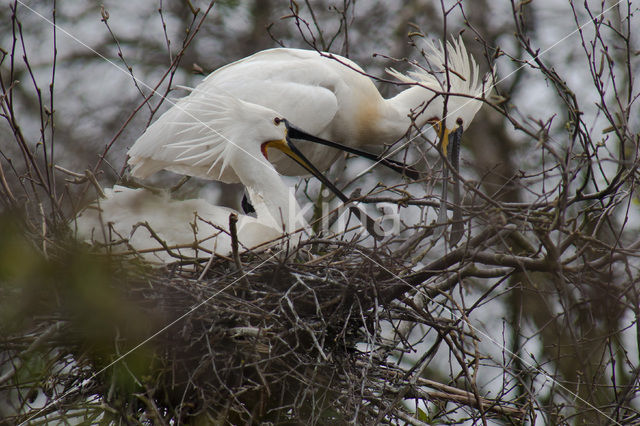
{"x": 286, "y": 339}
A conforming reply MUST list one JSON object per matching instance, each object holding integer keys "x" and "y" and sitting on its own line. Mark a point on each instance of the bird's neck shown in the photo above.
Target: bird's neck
{"x": 279, "y": 210}
{"x": 274, "y": 202}
{"x": 416, "y": 102}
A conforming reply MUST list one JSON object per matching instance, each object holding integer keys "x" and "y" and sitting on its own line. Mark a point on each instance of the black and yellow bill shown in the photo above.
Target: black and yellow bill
{"x": 450, "y": 140}
{"x": 289, "y": 149}
{"x": 295, "y": 133}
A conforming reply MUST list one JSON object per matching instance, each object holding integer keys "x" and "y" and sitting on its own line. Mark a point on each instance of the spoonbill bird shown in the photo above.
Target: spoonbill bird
{"x": 325, "y": 97}
{"x": 230, "y": 150}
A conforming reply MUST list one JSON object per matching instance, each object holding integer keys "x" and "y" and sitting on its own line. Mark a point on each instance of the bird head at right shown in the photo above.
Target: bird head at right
{"x": 448, "y": 93}
{"x": 449, "y": 137}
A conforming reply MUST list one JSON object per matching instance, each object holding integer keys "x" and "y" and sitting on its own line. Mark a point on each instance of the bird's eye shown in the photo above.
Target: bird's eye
{"x": 459, "y": 121}
{"x": 277, "y": 121}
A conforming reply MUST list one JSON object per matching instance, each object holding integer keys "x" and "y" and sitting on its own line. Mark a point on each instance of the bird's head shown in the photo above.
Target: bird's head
{"x": 450, "y": 90}
{"x": 281, "y": 142}
{"x": 272, "y": 133}
{"x": 447, "y": 134}
{"x": 286, "y": 146}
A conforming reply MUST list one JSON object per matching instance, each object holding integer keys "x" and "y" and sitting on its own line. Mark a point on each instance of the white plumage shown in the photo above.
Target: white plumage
{"x": 222, "y": 129}
{"x": 325, "y": 95}
{"x": 463, "y": 79}
{"x": 185, "y": 226}
{"x": 232, "y": 151}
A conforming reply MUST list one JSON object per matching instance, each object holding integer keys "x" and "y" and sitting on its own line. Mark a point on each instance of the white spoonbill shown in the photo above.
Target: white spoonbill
{"x": 231, "y": 150}
{"x": 324, "y": 95}
{"x": 328, "y": 97}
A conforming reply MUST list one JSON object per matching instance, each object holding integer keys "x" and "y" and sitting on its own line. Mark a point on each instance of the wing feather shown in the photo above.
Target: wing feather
{"x": 286, "y": 81}
{"x": 191, "y": 136}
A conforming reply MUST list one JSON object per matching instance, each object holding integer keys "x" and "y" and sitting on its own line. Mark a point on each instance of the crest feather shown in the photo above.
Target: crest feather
{"x": 464, "y": 73}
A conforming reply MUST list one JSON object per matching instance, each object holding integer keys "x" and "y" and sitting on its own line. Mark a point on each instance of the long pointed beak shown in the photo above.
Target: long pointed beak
{"x": 457, "y": 228}
{"x": 453, "y": 147}
{"x": 450, "y": 145}
{"x": 294, "y": 153}
{"x": 396, "y": 166}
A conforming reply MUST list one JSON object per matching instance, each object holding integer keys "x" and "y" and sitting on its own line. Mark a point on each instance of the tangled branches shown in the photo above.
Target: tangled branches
{"x": 283, "y": 344}
{"x": 533, "y": 316}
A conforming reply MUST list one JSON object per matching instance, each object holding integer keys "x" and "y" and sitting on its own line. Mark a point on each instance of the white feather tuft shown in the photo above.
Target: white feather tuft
{"x": 463, "y": 70}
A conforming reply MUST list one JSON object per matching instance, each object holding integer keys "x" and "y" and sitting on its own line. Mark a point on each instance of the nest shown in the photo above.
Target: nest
{"x": 283, "y": 336}
{"x": 264, "y": 343}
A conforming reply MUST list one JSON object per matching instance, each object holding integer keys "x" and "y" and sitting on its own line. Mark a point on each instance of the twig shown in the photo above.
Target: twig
{"x": 233, "y": 220}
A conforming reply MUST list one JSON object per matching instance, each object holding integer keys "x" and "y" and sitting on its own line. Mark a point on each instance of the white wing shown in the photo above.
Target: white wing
{"x": 302, "y": 85}
{"x": 175, "y": 222}
{"x": 317, "y": 94}
{"x": 190, "y": 138}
